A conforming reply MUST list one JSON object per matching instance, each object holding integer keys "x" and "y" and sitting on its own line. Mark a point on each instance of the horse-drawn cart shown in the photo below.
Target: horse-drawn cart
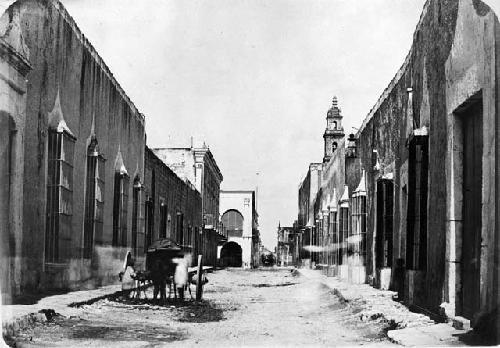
{"x": 166, "y": 261}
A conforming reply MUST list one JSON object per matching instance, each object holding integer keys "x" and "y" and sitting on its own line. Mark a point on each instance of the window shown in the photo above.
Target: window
{"x": 343, "y": 233}
{"x": 416, "y": 241}
{"x": 357, "y": 243}
{"x": 233, "y": 222}
{"x": 332, "y": 258}
{"x": 334, "y": 124}
{"x": 136, "y": 213}
{"x": 120, "y": 210}
{"x": 94, "y": 199}
{"x": 163, "y": 220}
{"x": 59, "y": 195}
{"x": 383, "y": 242}
{"x": 180, "y": 228}
{"x": 149, "y": 223}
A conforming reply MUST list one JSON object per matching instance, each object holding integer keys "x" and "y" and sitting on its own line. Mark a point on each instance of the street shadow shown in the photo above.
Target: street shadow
{"x": 187, "y": 310}
{"x": 267, "y": 285}
{"x": 81, "y": 329}
{"x": 34, "y": 298}
{"x": 472, "y": 338}
{"x": 201, "y": 312}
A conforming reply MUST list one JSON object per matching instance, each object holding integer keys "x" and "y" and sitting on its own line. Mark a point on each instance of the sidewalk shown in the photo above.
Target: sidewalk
{"x": 410, "y": 329}
{"x": 15, "y": 317}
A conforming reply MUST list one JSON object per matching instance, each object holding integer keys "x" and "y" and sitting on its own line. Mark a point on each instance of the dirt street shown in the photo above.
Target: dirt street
{"x": 266, "y": 307}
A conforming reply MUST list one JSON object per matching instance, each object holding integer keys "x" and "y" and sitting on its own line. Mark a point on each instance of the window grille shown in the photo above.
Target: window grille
{"x": 149, "y": 223}
{"x": 180, "y": 228}
{"x": 136, "y": 213}
{"x": 343, "y": 234}
{"x": 163, "y": 220}
{"x": 59, "y": 195}
{"x": 94, "y": 199}
{"x": 332, "y": 258}
{"x": 357, "y": 243}
{"x": 120, "y": 210}
{"x": 233, "y": 223}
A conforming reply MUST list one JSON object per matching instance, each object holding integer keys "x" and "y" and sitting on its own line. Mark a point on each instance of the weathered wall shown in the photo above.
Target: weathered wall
{"x": 453, "y": 56}
{"x": 179, "y": 196}
{"x": 13, "y": 69}
{"x": 242, "y": 201}
{"x": 91, "y": 101}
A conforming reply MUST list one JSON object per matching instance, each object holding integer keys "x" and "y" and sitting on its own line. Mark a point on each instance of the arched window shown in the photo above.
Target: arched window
{"x": 334, "y": 124}
{"x": 120, "y": 209}
{"x": 334, "y": 146}
{"x": 59, "y": 194}
{"x": 163, "y": 219}
{"x": 136, "y": 213}
{"x": 233, "y": 222}
{"x": 94, "y": 198}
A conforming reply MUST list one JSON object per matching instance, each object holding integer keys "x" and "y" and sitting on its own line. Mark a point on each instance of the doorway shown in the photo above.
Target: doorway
{"x": 231, "y": 255}
{"x": 472, "y": 128}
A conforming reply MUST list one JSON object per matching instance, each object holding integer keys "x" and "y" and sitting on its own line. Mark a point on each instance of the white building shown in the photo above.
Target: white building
{"x": 240, "y": 221}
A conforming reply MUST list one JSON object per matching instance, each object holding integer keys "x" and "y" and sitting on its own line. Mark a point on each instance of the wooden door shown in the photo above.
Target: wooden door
{"x": 472, "y": 184}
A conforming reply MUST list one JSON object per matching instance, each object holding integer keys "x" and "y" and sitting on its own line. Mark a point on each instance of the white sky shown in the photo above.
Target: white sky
{"x": 252, "y": 78}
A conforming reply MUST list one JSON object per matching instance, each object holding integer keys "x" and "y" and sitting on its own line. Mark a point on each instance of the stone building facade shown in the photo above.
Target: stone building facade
{"x": 410, "y": 202}
{"x": 14, "y": 67}
{"x": 288, "y": 246}
{"x": 79, "y": 156}
{"x": 308, "y": 189}
{"x": 241, "y": 223}
{"x": 198, "y": 166}
{"x": 172, "y": 207}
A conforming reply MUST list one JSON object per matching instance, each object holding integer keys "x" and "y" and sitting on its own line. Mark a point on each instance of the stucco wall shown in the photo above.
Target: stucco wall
{"x": 236, "y": 200}
{"x": 179, "y": 197}
{"x": 453, "y": 56}
{"x": 91, "y": 101}
{"x": 13, "y": 69}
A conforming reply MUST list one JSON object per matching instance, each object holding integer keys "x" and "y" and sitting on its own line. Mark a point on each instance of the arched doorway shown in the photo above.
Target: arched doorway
{"x": 230, "y": 255}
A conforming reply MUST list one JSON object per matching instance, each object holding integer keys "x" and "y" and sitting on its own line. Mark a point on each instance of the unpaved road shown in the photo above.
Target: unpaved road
{"x": 267, "y": 307}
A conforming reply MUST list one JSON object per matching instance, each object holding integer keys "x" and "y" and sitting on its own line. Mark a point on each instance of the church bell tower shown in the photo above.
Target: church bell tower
{"x": 334, "y": 131}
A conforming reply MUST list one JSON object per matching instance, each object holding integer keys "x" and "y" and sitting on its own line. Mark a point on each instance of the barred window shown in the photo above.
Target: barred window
{"x": 120, "y": 210}
{"x": 94, "y": 199}
{"x": 149, "y": 223}
{"x": 137, "y": 218}
{"x": 180, "y": 228}
{"x": 59, "y": 194}
{"x": 332, "y": 254}
{"x": 357, "y": 241}
{"x": 233, "y": 223}
{"x": 343, "y": 233}
{"x": 163, "y": 220}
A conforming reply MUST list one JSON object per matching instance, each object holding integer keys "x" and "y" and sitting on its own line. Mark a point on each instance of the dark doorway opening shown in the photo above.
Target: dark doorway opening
{"x": 383, "y": 244}
{"x": 472, "y": 203}
{"x": 230, "y": 255}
